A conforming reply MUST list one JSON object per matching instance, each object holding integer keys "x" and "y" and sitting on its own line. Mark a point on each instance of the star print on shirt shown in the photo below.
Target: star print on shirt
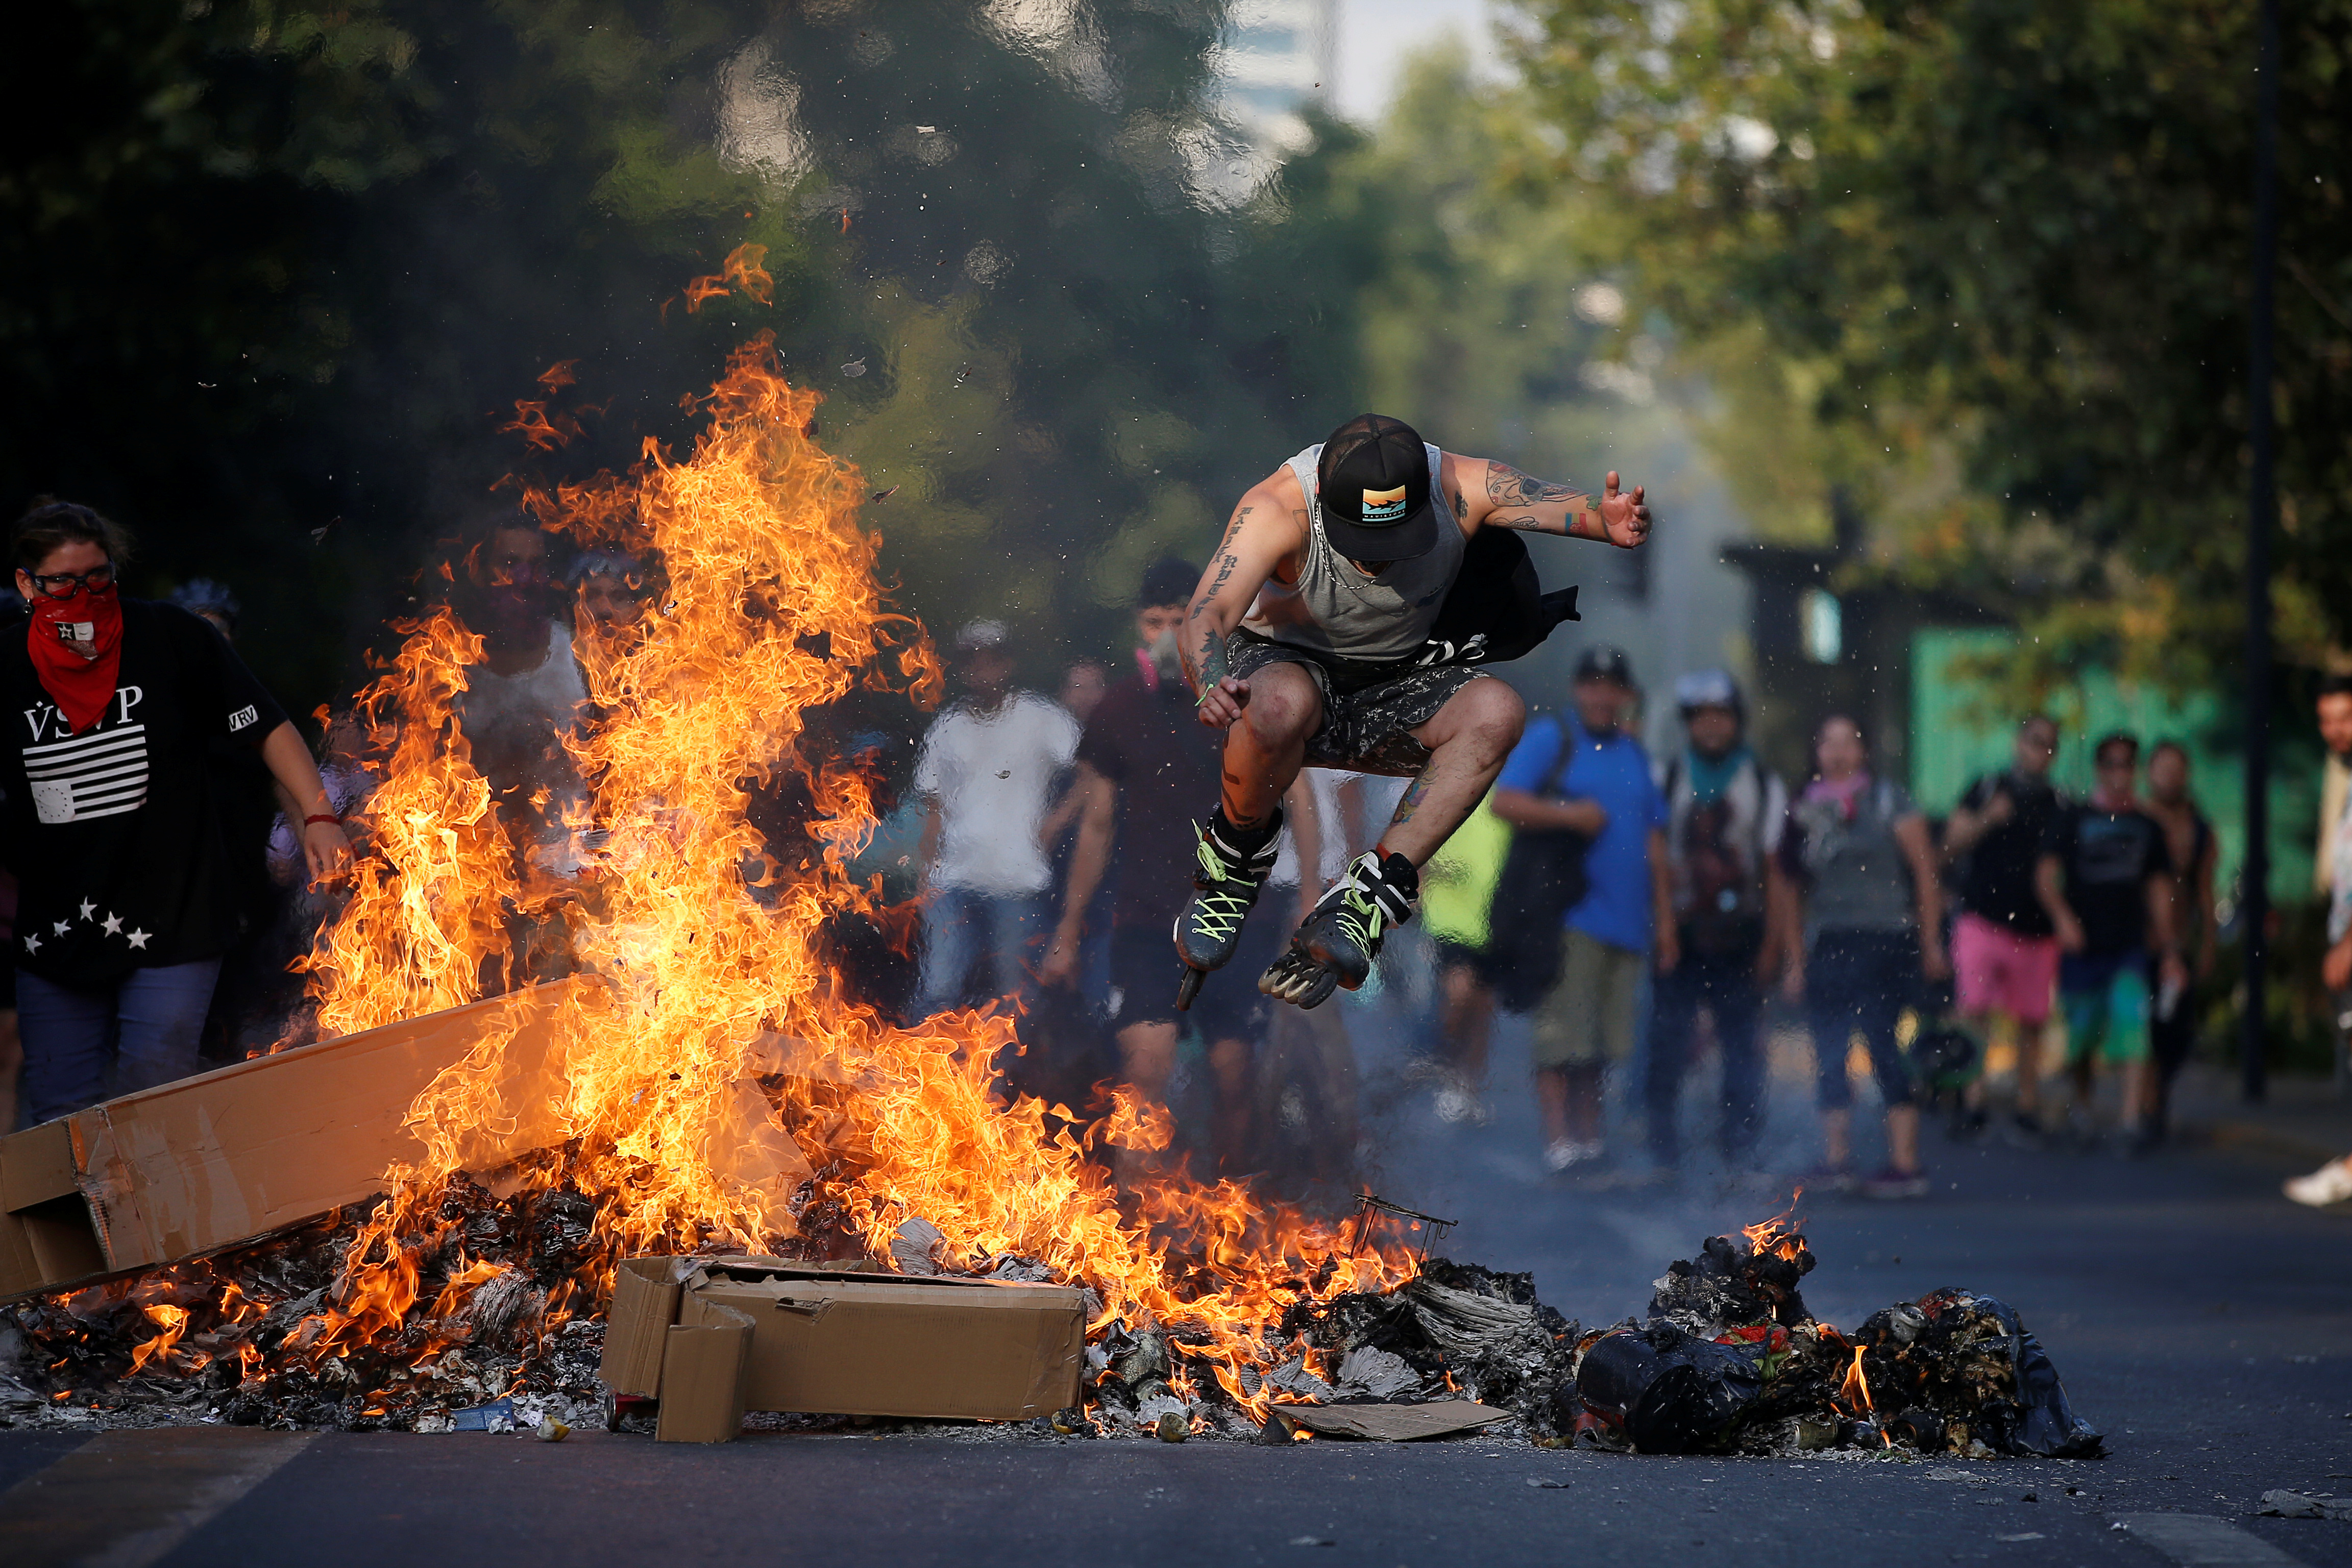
{"x": 138, "y": 938}
{"x": 89, "y": 909}
{"x": 32, "y": 944}
{"x": 111, "y": 924}
{"x": 62, "y": 927}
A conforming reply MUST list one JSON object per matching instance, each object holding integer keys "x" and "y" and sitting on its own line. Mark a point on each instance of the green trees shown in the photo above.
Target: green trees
{"x": 1985, "y": 265}
{"x": 269, "y": 268}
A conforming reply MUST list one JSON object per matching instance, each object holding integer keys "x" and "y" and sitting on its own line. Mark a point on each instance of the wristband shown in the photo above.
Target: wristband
{"x": 309, "y": 820}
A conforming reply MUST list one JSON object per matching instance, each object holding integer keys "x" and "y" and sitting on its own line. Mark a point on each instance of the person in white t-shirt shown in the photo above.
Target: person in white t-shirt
{"x": 987, "y": 769}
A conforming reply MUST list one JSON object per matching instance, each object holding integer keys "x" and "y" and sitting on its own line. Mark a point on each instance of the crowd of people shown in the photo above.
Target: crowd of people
{"x": 170, "y": 835}
{"x": 2039, "y": 936}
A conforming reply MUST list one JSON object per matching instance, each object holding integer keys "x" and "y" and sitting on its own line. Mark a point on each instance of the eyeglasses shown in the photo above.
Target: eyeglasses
{"x": 62, "y": 584}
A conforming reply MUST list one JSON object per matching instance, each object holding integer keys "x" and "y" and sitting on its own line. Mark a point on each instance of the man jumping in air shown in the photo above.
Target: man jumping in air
{"x": 1308, "y": 642}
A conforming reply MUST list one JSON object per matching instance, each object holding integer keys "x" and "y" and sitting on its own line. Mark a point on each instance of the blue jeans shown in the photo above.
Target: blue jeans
{"x": 83, "y": 1047}
{"x": 1725, "y": 984}
{"x": 1856, "y": 981}
{"x": 960, "y": 924}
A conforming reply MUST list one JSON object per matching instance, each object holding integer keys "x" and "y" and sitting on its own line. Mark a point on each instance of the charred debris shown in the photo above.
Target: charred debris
{"x": 1727, "y": 1359}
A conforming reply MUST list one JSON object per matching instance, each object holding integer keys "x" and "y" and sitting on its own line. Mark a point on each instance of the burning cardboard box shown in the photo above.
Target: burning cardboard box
{"x": 709, "y": 1338}
{"x": 227, "y": 1156}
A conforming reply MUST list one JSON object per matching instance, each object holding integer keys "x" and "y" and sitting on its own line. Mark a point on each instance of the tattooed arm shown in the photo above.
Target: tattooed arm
{"x": 1485, "y": 492}
{"x": 1269, "y": 525}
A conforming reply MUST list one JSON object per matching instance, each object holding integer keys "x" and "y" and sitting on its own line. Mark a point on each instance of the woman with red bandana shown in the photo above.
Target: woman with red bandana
{"x": 126, "y": 900}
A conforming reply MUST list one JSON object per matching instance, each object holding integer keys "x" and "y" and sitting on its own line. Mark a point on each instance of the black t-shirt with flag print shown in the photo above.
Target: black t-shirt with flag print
{"x": 112, "y": 833}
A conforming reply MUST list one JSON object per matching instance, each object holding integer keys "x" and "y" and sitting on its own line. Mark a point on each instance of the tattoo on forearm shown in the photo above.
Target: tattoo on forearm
{"x": 1505, "y": 486}
{"x": 1412, "y": 797}
{"x": 1528, "y": 524}
{"x": 1212, "y": 668}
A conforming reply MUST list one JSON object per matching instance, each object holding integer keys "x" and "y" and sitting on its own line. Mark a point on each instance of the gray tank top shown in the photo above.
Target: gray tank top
{"x": 1335, "y": 609}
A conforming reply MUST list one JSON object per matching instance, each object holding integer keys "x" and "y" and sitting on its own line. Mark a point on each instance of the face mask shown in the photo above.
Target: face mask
{"x": 75, "y": 642}
{"x": 1165, "y": 655}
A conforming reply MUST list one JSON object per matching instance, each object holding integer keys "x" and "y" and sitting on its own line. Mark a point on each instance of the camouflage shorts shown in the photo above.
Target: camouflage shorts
{"x": 1366, "y": 726}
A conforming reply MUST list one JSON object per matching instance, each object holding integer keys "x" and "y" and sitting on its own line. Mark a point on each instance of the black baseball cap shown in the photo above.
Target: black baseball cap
{"x": 1372, "y": 482}
{"x": 1601, "y": 662}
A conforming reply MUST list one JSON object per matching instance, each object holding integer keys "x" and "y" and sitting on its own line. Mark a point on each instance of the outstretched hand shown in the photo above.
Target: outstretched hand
{"x": 1222, "y": 704}
{"x": 1624, "y": 518}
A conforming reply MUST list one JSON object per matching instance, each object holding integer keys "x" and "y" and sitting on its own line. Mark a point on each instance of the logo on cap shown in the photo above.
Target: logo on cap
{"x": 1384, "y": 506}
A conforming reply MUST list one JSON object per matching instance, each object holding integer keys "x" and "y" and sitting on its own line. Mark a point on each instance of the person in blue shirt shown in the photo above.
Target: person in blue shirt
{"x": 1586, "y": 1023}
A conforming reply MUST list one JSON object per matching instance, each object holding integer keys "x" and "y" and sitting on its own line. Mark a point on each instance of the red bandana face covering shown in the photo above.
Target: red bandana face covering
{"x": 61, "y": 628}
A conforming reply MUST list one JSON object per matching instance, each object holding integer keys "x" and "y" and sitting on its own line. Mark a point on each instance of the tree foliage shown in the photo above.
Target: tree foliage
{"x": 1986, "y": 264}
{"x": 270, "y": 267}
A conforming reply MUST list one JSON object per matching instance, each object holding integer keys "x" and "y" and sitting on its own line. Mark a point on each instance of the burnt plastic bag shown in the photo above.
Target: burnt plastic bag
{"x": 1667, "y": 1391}
{"x": 2046, "y": 1424}
{"x": 1975, "y": 1361}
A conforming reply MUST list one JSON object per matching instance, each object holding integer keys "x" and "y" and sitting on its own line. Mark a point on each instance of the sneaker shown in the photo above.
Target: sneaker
{"x": 1344, "y": 931}
{"x": 1827, "y": 1179}
{"x": 1894, "y": 1183}
{"x": 2024, "y": 1132}
{"x": 1565, "y": 1152}
{"x": 2331, "y": 1184}
{"x": 1459, "y": 1102}
{"x": 1228, "y": 872}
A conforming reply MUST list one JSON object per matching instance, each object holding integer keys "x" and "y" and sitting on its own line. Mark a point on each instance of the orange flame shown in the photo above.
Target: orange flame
{"x": 1779, "y": 1234}
{"x": 1855, "y": 1390}
{"x": 741, "y": 269}
{"x": 721, "y": 1081}
{"x": 171, "y": 1322}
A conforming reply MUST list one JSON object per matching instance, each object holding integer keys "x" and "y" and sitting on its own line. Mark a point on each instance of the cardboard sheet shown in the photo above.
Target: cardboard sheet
{"x": 840, "y": 1340}
{"x": 1392, "y": 1423}
{"x": 231, "y": 1155}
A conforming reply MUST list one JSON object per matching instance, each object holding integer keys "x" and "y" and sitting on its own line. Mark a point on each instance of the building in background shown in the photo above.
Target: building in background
{"x": 1279, "y": 56}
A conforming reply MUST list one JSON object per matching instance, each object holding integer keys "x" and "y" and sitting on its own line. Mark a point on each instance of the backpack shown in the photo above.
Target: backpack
{"x": 1497, "y": 610}
{"x": 1543, "y": 877}
{"x": 1719, "y": 920}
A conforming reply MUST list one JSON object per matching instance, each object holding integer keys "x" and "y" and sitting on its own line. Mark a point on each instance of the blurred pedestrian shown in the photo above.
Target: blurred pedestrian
{"x": 212, "y": 600}
{"x": 2332, "y": 1183}
{"x": 248, "y": 807}
{"x": 12, "y": 1045}
{"x": 1587, "y": 1024}
{"x": 527, "y": 695}
{"x": 2332, "y": 863}
{"x": 987, "y": 766}
{"x": 2190, "y": 845}
{"x": 1859, "y": 880}
{"x": 1144, "y": 765}
{"x": 2004, "y": 953}
{"x": 609, "y": 591}
{"x": 125, "y": 899}
{"x": 1457, "y": 891}
{"x": 2106, "y": 879}
{"x": 1724, "y": 814}
{"x": 1083, "y": 685}
{"x": 1305, "y": 1110}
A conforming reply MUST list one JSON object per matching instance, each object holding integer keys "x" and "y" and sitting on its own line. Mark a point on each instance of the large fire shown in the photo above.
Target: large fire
{"x": 724, "y": 1092}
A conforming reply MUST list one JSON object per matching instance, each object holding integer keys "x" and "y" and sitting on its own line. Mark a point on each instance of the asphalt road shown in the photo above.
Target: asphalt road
{"x": 2197, "y": 1319}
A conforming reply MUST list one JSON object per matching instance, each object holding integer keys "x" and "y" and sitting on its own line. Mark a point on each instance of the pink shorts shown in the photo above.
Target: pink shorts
{"x": 1994, "y": 969}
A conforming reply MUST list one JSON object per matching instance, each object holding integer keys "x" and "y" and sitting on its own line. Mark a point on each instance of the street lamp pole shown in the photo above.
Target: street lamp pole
{"x": 2253, "y": 902}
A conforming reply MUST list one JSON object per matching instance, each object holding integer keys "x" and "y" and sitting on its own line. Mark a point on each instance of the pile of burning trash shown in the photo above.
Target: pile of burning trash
{"x": 1727, "y": 1359}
